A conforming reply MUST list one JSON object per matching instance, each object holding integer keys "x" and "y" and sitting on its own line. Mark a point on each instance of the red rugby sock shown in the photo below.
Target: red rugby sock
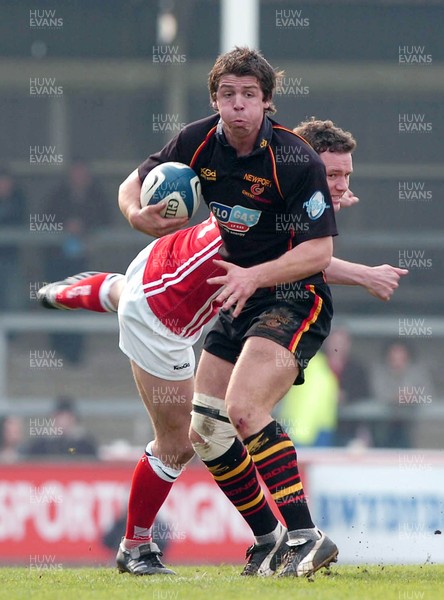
{"x": 87, "y": 293}
{"x": 148, "y": 493}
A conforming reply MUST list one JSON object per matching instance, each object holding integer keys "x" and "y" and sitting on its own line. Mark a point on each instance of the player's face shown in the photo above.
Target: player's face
{"x": 339, "y": 166}
{"x": 241, "y": 106}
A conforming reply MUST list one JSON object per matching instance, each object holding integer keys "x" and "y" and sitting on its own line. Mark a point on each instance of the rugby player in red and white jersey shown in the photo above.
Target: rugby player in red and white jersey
{"x": 163, "y": 302}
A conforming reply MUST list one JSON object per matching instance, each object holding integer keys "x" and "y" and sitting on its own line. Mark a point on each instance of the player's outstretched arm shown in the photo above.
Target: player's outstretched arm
{"x": 148, "y": 219}
{"x": 380, "y": 281}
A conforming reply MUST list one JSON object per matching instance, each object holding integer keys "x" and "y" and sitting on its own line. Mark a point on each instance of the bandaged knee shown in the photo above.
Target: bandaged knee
{"x": 209, "y": 419}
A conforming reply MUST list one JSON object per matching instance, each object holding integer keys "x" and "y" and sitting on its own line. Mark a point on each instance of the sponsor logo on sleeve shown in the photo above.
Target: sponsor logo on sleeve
{"x": 316, "y": 206}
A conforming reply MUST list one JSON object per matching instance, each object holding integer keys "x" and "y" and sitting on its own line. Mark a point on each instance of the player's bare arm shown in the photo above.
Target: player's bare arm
{"x": 380, "y": 281}
{"x": 148, "y": 219}
{"x": 240, "y": 283}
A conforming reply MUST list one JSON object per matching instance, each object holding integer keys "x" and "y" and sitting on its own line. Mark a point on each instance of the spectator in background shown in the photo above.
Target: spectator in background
{"x": 12, "y": 447}
{"x": 353, "y": 380}
{"x": 309, "y": 412}
{"x": 79, "y": 204}
{"x": 403, "y": 384}
{"x": 64, "y": 435}
{"x": 12, "y": 214}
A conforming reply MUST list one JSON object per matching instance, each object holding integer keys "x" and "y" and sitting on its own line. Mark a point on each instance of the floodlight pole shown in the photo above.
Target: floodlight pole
{"x": 239, "y": 24}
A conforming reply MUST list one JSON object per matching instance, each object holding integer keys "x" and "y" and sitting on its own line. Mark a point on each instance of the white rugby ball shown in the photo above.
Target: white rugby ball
{"x": 175, "y": 182}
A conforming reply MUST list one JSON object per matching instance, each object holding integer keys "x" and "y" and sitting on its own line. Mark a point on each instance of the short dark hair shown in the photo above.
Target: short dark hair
{"x": 324, "y": 136}
{"x": 243, "y": 61}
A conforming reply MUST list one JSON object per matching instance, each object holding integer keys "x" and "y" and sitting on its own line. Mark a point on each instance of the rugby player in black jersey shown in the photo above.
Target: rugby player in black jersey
{"x": 276, "y": 220}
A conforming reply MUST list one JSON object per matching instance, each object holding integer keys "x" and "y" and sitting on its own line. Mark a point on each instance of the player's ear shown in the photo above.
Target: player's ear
{"x": 214, "y": 105}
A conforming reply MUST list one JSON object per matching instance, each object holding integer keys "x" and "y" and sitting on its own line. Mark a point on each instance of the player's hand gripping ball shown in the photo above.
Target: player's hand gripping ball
{"x": 175, "y": 182}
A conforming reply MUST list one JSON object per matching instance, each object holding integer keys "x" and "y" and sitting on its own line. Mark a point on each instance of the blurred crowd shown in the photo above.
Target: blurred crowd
{"x": 62, "y": 434}
{"x": 72, "y": 210}
{"x": 347, "y": 402}
{"x": 343, "y": 403}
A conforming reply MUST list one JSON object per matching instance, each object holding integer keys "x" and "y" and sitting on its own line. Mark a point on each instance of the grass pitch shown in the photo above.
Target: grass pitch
{"x": 424, "y": 582}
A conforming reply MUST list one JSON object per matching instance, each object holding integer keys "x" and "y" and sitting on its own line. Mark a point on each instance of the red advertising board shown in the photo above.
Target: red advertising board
{"x": 63, "y": 511}
{"x": 59, "y": 510}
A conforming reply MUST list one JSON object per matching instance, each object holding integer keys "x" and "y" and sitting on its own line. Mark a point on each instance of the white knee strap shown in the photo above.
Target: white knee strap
{"x": 160, "y": 468}
{"x": 209, "y": 419}
{"x": 105, "y": 290}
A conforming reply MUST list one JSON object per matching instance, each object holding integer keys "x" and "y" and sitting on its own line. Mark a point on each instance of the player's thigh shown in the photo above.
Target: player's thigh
{"x": 167, "y": 402}
{"x": 263, "y": 374}
{"x": 213, "y": 375}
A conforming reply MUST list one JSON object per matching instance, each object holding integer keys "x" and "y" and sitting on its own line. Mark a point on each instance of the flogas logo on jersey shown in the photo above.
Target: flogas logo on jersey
{"x": 236, "y": 219}
{"x": 316, "y": 206}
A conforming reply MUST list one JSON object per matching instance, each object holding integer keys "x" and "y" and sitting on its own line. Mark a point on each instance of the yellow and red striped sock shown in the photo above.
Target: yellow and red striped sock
{"x": 235, "y": 474}
{"x": 275, "y": 458}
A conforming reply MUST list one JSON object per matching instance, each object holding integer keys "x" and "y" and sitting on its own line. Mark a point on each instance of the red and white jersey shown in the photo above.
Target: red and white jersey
{"x": 175, "y": 277}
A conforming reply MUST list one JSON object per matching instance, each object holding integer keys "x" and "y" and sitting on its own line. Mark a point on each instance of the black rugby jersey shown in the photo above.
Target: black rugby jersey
{"x": 265, "y": 203}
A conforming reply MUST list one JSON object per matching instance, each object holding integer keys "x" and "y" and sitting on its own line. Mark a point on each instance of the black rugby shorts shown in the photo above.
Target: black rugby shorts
{"x": 296, "y": 317}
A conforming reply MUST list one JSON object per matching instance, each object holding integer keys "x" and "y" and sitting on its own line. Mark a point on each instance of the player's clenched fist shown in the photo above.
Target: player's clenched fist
{"x": 383, "y": 280}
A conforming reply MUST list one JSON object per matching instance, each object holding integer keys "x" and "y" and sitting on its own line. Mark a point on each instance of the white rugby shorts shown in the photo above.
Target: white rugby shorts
{"x": 144, "y": 338}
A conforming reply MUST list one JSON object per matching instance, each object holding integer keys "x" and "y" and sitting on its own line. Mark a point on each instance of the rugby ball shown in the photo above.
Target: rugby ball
{"x": 175, "y": 182}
